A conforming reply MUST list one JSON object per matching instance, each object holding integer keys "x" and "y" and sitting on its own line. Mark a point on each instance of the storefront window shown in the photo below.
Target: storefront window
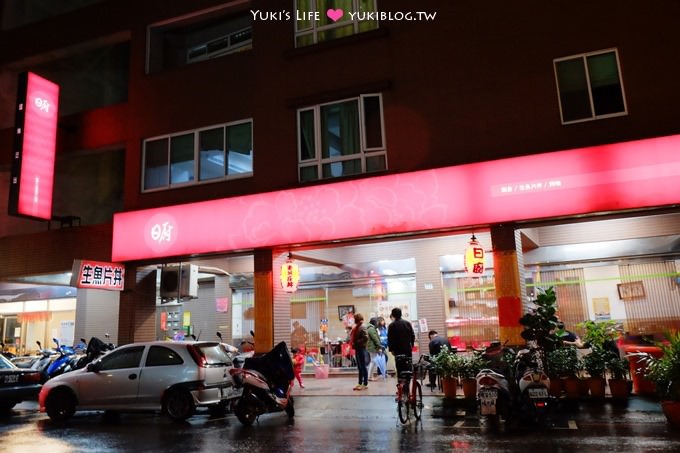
{"x": 243, "y": 316}
{"x": 9, "y": 331}
{"x": 322, "y": 315}
{"x": 472, "y": 309}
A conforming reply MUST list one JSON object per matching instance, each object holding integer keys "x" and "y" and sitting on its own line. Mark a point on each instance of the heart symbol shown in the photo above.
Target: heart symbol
{"x": 335, "y": 14}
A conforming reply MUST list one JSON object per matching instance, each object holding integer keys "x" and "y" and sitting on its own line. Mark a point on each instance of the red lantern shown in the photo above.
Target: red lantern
{"x": 290, "y": 276}
{"x": 474, "y": 258}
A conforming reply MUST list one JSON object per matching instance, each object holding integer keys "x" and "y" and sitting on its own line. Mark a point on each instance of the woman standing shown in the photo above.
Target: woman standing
{"x": 359, "y": 338}
{"x": 382, "y": 333}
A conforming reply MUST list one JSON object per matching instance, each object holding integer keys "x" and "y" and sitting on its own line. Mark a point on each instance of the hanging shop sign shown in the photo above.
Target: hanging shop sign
{"x": 613, "y": 177}
{"x": 32, "y": 176}
{"x": 474, "y": 258}
{"x": 98, "y": 275}
{"x": 290, "y": 276}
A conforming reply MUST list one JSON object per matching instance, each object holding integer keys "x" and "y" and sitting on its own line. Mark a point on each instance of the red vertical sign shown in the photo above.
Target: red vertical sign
{"x": 34, "y": 147}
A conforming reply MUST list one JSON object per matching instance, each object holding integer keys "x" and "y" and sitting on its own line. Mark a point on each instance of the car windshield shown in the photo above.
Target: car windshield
{"x": 5, "y": 364}
{"x": 214, "y": 353}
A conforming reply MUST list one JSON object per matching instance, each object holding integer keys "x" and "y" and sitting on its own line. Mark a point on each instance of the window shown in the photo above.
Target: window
{"x": 198, "y": 37}
{"x": 341, "y": 139}
{"x": 313, "y": 25}
{"x": 590, "y": 86}
{"x": 214, "y": 153}
{"x": 122, "y": 359}
{"x": 162, "y": 356}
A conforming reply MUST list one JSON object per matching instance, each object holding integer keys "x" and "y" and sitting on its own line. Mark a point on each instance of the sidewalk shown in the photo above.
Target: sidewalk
{"x": 343, "y": 385}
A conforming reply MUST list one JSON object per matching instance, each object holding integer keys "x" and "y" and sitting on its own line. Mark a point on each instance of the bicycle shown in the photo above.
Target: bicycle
{"x": 410, "y": 399}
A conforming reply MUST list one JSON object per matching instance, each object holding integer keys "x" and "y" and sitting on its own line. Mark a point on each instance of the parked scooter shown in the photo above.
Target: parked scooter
{"x": 5, "y": 352}
{"x": 533, "y": 383}
{"x": 267, "y": 382}
{"x": 494, "y": 392}
{"x": 95, "y": 349}
{"x": 237, "y": 357}
{"x": 63, "y": 363}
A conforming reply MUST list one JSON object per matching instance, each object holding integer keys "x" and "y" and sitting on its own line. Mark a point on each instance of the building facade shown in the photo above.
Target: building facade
{"x": 367, "y": 141}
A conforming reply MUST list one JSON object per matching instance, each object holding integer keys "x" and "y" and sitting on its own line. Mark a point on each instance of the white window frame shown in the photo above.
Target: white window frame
{"x": 197, "y": 156}
{"x": 584, "y": 57}
{"x": 315, "y": 29}
{"x": 365, "y": 151}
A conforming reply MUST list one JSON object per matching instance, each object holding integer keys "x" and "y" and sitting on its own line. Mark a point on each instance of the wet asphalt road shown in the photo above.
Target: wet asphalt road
{"x": 346, "y": 424}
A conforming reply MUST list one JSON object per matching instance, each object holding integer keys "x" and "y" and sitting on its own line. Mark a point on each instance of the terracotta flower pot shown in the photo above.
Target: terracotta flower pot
{"x": 470, "y": 389}
{"x": 450, "y": 387}
{"x": 572, "y": 387}
{"x": 619, "y": 388}
{"x": 596, "y": 385}
{"x": 556, "y": 386}
{"x": 671, "y": 409}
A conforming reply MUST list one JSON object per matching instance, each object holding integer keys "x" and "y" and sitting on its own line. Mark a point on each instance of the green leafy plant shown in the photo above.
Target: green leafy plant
{"x": 598, "y": 333}
{"x": 471, "y": 365}
{"x": 618, "y": 367}
{"x": 447, "y": 364}
{"x": 665, "y": 370}
{"x": 563, "y": 362}
{"x": 540, "y": 323}
{"x": 597, "y": 361}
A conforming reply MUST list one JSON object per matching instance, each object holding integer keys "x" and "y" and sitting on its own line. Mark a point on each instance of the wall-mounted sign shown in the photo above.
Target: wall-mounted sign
{"x": 474, "y": 258}
{"x": 290, "y": 276}
{"x": 35, "y": 141}
{"x": 613, "y": 177}
{"x": 98, "y": 275}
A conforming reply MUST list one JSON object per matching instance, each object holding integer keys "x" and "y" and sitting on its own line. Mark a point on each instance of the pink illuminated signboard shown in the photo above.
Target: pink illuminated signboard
{"x": 34, "y": 147}
{"x": 98, "y": 275}
{"x": 614, "y": 177}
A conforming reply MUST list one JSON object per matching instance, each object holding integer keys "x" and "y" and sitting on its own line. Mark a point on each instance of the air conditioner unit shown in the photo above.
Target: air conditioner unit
{"x": 173, "y": 285}
{"x": 238, "y": 40}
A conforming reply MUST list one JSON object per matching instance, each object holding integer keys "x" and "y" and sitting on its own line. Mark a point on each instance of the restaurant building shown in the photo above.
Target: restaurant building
{"x": 206, "y": 144}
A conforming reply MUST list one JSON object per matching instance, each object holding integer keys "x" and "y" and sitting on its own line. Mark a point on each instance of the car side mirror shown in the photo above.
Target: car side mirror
{"x": 93, "y": 367}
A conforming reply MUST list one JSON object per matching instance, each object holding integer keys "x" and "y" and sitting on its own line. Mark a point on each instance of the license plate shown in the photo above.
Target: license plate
{"x": 228, "y": 393}
{"x": 11, "y": 379}
{"x": 540, "y": 392}
{"x": 487, "y": 401}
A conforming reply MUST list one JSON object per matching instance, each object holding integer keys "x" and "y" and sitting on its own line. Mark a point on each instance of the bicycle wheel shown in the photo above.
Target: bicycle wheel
{"x": 402, "y": 405}
{"x": 418, "y": 401}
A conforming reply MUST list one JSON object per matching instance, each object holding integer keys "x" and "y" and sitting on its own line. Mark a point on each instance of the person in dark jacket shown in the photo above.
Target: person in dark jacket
{"x": 400, "y": 340}
{"x": 435, "y": 347}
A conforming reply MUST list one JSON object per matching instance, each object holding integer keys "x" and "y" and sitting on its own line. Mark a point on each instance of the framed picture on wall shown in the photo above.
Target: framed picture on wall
{"x": 343, "y": 310}
{"x": 631, "y": 290}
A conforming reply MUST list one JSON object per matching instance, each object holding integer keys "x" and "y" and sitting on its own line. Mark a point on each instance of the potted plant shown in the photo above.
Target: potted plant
{"x": 619, "y": 384}
{"x": 470, "y": 366}
{"x": 598, "y": 333}
{"x": 665, "y": 372}
{"x": 447, "y": 364}
{"x": 595, "y": 363}
{"x": 565, "y": 365}
{"x": 540, "y": 323}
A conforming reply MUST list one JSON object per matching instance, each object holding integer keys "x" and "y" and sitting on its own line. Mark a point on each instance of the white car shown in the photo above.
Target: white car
{"x": 172, "y": 376}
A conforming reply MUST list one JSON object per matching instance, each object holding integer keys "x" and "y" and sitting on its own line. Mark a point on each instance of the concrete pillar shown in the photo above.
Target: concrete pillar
{"x": 264, "y": 300}
{"x": 508, "y": 277}
{"x": 137, "y": 312}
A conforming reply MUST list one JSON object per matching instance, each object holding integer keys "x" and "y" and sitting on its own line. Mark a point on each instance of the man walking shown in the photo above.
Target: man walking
{"x": 400, "y": 340}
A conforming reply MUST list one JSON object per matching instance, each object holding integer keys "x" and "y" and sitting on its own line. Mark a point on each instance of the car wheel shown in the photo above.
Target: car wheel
{"x": 245, "y": 412}
{"x": 60, "y": 405}
{"x": 179, "y": 405}
{"x": 290, "y": 407}
{"x": 5, "y": 408}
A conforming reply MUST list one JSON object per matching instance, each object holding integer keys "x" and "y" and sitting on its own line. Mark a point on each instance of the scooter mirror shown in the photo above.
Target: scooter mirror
{"x": 219, "y": 335}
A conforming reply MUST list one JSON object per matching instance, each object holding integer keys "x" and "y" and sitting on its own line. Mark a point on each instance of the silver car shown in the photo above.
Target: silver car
{"x": 171, "y": 376}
